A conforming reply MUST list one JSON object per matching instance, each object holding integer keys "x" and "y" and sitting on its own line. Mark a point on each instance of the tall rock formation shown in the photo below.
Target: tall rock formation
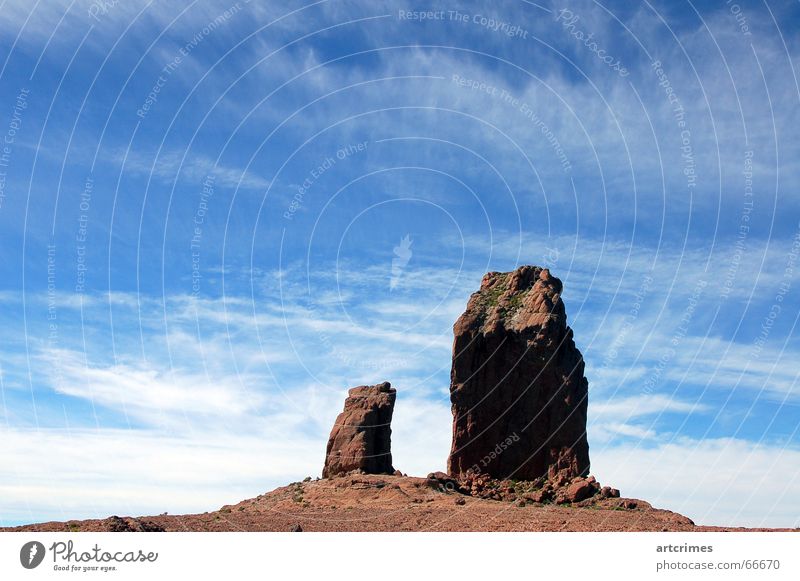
{"x": 361, "y": 437}
{"x": 517, "y": 388}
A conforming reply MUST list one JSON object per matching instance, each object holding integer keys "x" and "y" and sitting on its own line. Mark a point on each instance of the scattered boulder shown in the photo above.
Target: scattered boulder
{"x": 579, "y": 489}
{"x": 443, "y": 482}
{"x": 296, "y": 529}
{"x": 518, "y": 391}
{"x": 541, "y": 496}
{"x": 361, "y": 437}
{"x": 608, "y": 492}
{"x": 438, "y": 475}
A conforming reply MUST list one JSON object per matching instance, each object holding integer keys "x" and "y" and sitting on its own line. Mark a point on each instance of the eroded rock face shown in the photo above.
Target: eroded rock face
{"x": 517, "y": 388}
{"x": 361, "y": 437}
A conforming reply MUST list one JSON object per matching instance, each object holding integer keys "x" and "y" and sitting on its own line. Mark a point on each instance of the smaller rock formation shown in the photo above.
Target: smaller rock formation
{"x": 361, "y": 437}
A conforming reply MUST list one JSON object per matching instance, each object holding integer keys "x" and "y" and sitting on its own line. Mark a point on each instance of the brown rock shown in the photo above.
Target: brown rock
{"x": 580, "y": 489}
{"x": 517, "y": 388}
{"x": 608, "y": 492}
{"x": 442, "y": 482}
{"x": 361, "y": 437}
{"x": 540, "y": 496}
{"x": 439, "y": 476}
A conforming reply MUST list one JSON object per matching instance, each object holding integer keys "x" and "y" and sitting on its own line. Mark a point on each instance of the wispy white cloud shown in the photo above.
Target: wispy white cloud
{"x": 68, "y": 474}
{"x": 193, "y": 167}
{"x": 81, "y": 473}
{"x": 641, "y": 405}
{"x": 152, "y": 395}
{"x": 634, "y": 417}
{"x": 610, "y": 431}
{"x": 726, "y": 482}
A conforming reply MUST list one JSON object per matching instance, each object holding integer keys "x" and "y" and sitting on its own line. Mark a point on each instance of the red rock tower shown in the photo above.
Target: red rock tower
{"x": 361, "y": 438}
{"x": 517, "y": 387}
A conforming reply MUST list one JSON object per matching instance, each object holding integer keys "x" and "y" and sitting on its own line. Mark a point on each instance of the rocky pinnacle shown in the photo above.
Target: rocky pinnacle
{"x": 361, "y": 437}
{"x": 517, "y": 388}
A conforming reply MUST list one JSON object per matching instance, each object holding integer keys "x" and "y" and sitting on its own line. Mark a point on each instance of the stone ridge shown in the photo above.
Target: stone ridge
{"x": 518, "y": 393}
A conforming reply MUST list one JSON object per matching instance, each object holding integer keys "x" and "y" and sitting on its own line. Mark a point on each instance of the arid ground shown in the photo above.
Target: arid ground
{"x": 394, "y": 503}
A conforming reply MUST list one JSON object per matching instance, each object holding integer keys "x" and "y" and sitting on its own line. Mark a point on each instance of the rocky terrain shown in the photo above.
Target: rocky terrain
{"x": 368, "y": 502}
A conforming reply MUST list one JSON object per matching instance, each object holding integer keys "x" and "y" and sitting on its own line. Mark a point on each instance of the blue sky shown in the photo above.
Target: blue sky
{"x": 202, "y": 209}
